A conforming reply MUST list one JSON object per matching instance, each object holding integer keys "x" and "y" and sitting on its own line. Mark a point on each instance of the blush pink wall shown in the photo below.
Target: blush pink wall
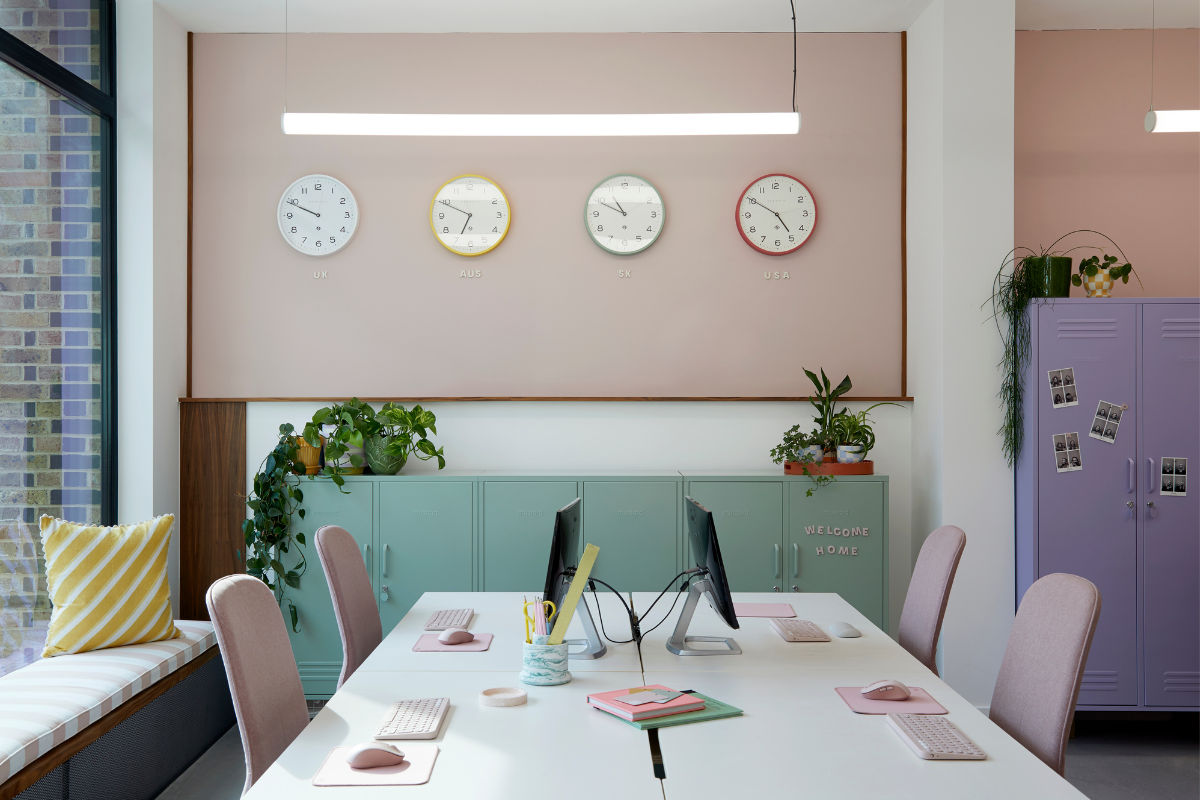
{"x": 550, "y": 316}
{"x": 1083, "y": 159}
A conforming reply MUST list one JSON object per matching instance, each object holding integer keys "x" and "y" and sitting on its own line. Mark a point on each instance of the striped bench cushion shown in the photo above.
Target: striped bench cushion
{"x": 49, "y": 701}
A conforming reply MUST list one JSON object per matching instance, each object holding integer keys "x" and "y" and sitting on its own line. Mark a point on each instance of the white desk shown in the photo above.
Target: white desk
{"x": 794, "y": 723}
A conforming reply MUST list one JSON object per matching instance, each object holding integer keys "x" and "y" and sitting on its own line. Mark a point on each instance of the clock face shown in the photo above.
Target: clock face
{"x": 776, "y": 214}
{"x": 317, "y": 215}
{"x": 624, "y": 214}
{"x": 469, "y": 215}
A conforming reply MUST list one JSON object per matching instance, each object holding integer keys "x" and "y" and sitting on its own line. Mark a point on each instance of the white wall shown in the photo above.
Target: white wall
{"x": 539, "y": 438}
{"x": 960, "y": 221}
{"x": 151, "y": 262}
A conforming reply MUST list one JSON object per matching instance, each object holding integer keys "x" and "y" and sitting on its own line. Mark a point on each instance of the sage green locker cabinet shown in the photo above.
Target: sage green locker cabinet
{"x": 749, "y": 520}
{"x": 318, "y": 646}
{"x": 424, "y": 545}
{"x": 518, "y": 522}
{"x": 838, "y": 543}
{"x": 636, "y": 526}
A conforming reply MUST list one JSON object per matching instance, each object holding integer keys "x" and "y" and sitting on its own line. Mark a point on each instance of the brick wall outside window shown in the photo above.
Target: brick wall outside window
{"x": 50, "y": 231}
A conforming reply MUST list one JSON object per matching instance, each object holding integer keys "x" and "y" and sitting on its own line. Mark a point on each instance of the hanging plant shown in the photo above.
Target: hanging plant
{"x": 1012, "y": 293}
{"x": 270, "y": 541}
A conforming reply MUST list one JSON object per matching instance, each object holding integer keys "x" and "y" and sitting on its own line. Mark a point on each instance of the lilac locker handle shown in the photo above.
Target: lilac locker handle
{"x": 1132, "y": 473}
{"x": 1151, "y": 482}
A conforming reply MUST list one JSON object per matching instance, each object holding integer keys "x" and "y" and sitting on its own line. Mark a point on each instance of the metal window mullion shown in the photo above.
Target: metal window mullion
{"x": 58, "y": 77}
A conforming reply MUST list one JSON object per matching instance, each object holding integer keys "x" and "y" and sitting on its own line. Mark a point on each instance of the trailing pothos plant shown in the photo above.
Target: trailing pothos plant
{"x": 1013, "y": 289}
{"x": 268, "y": 534}
{"x": 347, "y": 424}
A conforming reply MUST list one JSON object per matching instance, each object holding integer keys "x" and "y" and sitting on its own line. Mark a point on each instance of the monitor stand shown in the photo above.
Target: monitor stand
{"x": 678, "y": 643}
{"x": 594, "y": 646}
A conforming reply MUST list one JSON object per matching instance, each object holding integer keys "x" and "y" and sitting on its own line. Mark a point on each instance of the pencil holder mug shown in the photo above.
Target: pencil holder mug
{"x": 544, "y": 664}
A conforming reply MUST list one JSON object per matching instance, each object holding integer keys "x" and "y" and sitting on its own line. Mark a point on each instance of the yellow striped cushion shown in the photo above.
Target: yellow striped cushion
{"x": 108, "y": 585}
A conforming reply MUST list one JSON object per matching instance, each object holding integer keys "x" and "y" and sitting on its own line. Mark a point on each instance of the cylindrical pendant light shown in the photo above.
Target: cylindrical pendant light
{"x": 540, "y": 124}
{"x": 1179, "y": 121}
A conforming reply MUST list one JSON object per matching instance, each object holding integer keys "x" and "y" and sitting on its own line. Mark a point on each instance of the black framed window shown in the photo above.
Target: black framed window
{"x": 57, "y": 293}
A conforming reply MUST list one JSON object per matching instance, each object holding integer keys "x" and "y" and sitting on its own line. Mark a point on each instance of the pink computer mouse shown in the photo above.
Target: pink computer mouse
{"x": 456, "y": 636}
{"x": 373, "y": 754}
{"x": 886, "y": 690}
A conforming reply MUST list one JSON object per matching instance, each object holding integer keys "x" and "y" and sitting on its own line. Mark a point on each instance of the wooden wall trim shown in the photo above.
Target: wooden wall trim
{"x": 56, "y": 756}
{"x": 185, "y": 400}
{"x": 903, "y": 215}
{"x": 189, "y": 214}
{"x": 212, "y": 506}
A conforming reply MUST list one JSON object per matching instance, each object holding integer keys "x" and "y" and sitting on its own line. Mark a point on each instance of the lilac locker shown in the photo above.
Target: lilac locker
{"x": 1170, "y": 427}
{"x": 1085, "y": 526}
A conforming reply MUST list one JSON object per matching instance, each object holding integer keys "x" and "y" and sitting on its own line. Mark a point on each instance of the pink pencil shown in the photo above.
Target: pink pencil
{"x": 539, "y": 617}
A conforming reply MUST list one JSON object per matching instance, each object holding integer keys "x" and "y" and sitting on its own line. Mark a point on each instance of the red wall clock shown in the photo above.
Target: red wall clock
{"x": 776, "y": 214}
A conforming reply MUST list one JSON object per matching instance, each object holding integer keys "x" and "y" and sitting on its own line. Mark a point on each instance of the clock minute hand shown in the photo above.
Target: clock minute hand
{"x": 456, "y": 208}
{"x": 465, "y": 224}
{"x": 302, "y": 208}
{"x": 619, "y": 211}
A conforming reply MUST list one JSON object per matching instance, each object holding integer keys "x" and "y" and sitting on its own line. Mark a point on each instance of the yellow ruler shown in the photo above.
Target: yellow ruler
{"x": 578, "y": 583}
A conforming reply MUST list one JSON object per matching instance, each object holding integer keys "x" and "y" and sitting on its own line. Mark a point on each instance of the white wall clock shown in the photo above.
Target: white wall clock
{"x": 469, "y": 215}
{"x": 776, "y": 214}
{"x": 318, "y": 215}
{"x": 624, "y": 214}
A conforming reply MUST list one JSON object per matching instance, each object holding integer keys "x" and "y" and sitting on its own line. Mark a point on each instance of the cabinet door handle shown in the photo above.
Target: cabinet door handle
{"x": 367, "y": 555}
{"x": 777, "y": 563}
{"x": 1132, "y": 474}
{"x": 1151, "y": 483}
{"x": 383, "y": 566}
{"x": 795, "y": 561}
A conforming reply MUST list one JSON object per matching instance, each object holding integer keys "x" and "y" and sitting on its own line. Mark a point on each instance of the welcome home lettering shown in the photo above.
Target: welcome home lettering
{"x": 829, "y": 550}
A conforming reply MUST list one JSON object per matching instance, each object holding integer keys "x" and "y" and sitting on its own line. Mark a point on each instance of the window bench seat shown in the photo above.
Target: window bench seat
{"x": 168, "y": 701}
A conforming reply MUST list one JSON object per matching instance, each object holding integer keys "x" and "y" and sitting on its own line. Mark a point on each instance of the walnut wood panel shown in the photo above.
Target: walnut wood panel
{"x": 212, "y": 478}
{"x": 57, "y": 756}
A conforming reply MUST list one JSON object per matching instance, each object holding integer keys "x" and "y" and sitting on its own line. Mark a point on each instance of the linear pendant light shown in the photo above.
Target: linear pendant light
{"x": 540, "y": 124}
{"x": 1179, "y": 121}
{"x": 718, "y": 124}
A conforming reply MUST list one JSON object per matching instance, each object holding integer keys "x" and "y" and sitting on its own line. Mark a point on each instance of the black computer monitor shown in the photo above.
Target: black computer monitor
{"x": 564, "y": 558}
{"x": 706, "y": 552}
{"x": 564, "y": 553}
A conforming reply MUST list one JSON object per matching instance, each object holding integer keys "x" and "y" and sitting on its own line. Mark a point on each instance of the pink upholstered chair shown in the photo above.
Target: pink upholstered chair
{"x": 925, "y": 605}
{"x": 1038, "y": 684}
{"x": 264, "y": 682}
{"x": 353, "y": 598}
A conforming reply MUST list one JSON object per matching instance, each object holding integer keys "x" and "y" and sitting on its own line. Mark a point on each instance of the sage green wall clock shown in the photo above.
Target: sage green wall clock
{"x": 624, "y": 214}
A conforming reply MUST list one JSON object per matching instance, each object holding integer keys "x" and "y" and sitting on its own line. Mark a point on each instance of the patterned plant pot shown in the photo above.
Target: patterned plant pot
{"x": 1098, "y": 285}
{"x": 850, "y": 453}
{"x": 816, "y": 451}
{"x": 380, "y": 462}
{"x": 309, "y": 456}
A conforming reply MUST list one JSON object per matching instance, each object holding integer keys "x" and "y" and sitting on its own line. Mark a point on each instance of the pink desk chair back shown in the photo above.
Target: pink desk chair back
{"x": 1038, "y": 684}
{"x": 264, "y": 682}
{"x": 928, "y": 593}
{"x": 353, "y": 598}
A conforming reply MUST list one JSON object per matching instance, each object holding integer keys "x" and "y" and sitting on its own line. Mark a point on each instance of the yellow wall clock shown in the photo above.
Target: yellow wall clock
{"x": 469, "y": 215}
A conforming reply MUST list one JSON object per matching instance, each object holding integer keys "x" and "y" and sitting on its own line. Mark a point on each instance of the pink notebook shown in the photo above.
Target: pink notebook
{"x": 605, "y": 702}
{"x": 919, "y": 703}
{"x": 429, "y": 644}
{"x": 416, "y": 768}
{"x": 774, "y": 610}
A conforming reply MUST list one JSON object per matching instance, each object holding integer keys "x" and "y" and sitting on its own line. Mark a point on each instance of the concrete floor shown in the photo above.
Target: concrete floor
{"x": 1149, "y": 759}
{"x": 1136, "y": 759}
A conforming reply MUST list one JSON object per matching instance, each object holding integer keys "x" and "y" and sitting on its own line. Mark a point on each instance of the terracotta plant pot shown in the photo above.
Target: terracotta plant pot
{"x": 309, "y": 456}
{"x": 380, "y": 462}
{"x": 829, "y": 468}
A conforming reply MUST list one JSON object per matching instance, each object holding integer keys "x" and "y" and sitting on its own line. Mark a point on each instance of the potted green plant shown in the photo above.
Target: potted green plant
{"x": 268, "y": 534}
{"x": 1022, "y": 280}
{"x": 395, "y": 433}
{"x": 855, "y": 437}
{"x": 1097, "y": 277}
{"x": 346, "y": 425}
{"x": 825, "y": 402}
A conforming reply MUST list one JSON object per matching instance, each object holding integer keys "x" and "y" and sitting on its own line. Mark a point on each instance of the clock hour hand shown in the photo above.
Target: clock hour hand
{"x": 618, "y": 202}
{"x": 776, "y": 213}
{"x": 302, "y": 208}
{"x": 618, "y": 210}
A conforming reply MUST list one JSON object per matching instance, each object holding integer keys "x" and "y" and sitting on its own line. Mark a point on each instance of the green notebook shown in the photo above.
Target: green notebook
{"x": 713, "y": 709}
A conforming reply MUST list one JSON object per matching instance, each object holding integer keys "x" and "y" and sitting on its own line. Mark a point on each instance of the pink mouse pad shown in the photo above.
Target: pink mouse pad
{"x": 774, "y": 610}
{"x": 416, "y": 768}
{"x": 919, "y": 703}
{"x": 429, "y": 644}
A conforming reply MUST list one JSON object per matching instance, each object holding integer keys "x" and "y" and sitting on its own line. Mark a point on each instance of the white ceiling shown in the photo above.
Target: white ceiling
{"x": 621, "y": 16}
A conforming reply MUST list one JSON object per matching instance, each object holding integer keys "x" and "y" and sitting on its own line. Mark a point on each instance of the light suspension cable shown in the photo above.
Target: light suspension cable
{"x": 1177, "y": 121}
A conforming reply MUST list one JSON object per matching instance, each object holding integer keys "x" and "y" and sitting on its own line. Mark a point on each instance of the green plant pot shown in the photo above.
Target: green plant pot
{"x": 1050, "y": 276}
{"x": 380, "y": 462}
